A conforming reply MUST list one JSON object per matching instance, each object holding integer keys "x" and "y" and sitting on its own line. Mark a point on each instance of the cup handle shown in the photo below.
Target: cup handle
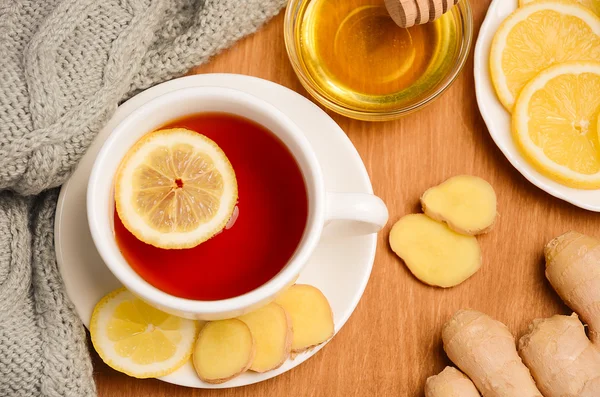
{"x": 367, "y": 211}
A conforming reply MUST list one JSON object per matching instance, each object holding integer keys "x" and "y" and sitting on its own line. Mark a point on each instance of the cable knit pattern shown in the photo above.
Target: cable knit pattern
{"x": 64, "y": 67}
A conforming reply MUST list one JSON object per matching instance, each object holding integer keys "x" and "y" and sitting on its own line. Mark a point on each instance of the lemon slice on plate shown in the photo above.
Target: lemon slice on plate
{"x": 555, "y": 123}
{"x": 593, "y": 5}
{"x": 538, "y": 36}
{"x": 139, "y": 340}
{"x": 175, "y": 188}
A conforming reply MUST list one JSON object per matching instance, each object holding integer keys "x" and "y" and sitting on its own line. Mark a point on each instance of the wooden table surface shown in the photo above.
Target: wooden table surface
{"x": 392, "y": 342}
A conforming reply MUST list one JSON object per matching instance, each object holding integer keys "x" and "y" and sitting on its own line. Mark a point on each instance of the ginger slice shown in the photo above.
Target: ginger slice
{"x": 271, "y": 328}
{"x": 466, "y": 203}
{"x": 484, "y": 349}
{"x": 573, "y": 269}
{"x": 561, "y": 358}
{"x": 435, "y": 254}
{"x": 311, "y": 315}
{"x": 224, "y": 350}
{"x": 450, "y": 383}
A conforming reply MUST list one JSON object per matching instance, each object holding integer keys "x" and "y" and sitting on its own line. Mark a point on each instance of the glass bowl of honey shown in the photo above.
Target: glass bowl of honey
{"x": 353, "y": 59}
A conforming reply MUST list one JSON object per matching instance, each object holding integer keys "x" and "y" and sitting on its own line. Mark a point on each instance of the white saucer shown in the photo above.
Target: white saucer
{"x": 340, "y": 266}
{"x": 497, "y": 118}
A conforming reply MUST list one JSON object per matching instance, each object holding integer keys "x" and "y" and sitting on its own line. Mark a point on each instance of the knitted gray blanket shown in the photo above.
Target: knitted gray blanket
{"x": 64, "y": 67}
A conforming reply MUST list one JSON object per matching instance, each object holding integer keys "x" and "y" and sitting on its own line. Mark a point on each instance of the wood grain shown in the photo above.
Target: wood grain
{"x": 392, "y": 341}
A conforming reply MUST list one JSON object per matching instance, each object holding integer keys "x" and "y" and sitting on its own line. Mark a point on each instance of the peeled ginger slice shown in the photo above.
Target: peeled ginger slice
{"x": 466, "y": 203}
{"x": 435, "y": 254}
{"x": 450, "y": 383}
{"x": 224, "y": 350}
{"x": 271, "y": 328}
{"x": 311, "y": 315}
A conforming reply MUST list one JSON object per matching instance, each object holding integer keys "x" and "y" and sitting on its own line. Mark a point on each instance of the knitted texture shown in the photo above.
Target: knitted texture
{"x": 65, "y": 65}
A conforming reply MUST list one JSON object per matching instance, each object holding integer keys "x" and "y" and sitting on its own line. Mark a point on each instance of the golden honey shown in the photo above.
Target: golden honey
{"x": 360, "y": 59}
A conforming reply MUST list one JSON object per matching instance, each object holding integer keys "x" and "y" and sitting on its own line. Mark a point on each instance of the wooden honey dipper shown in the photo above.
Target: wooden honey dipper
{"x": 407, "y": 13}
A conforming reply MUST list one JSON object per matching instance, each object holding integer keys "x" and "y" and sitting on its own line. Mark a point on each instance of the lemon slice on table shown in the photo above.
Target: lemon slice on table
{"x": 175, "y": 188}
{"x": 593, "y": 5}
{"x": 555, "y": 123}
{"x": 139, "y": 340}
{"x": 537, "y": 36}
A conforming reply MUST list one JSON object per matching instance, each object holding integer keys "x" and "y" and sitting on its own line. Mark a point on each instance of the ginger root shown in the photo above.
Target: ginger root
{"x": 435, "y": 254}
{"x": 573, "y": 269}
{"x": 450, "y": 383}
{"x": 466, "y": 203}
{"x": 224, "y": 350}
{"x": 311, "y": 315}
{"x": 561, "y": 358}
{"x": 484, "y": 349}
{"x": 271, "y": 328}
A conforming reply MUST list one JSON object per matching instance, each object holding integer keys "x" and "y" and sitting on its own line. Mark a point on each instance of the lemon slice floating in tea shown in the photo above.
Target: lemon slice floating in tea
{"x": 175, "y": 188}
{"x": 139, "y": 340}
{"x": 555, "y": 123}
{"x": 537, "y": 36}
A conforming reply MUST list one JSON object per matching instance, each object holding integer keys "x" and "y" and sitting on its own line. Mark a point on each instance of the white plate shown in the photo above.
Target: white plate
{"x": 340, "y": 266}
{"x": 497, "y": 118}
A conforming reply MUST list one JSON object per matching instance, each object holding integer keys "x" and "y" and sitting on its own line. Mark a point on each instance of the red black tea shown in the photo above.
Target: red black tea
{"x": 273, "y": 209}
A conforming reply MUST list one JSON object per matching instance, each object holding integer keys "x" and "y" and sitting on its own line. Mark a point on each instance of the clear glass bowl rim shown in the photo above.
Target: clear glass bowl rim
{"x": 460, "y": 60}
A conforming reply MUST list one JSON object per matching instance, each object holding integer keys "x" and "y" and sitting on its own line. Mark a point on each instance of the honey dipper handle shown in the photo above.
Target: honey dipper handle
{"x": 407, "y": 13}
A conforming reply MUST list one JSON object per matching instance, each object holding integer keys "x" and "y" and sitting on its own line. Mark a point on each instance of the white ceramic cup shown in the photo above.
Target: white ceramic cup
{"x": 366, "y": 210}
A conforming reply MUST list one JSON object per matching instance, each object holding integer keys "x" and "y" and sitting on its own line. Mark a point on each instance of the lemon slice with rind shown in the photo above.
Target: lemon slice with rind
{"x": 537, "y": 36}
{"x": 134, "y": 338}
{"x": 175, "y": 188}
{"x": 555, "y": 123}
{"x": 593, "y": 5}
